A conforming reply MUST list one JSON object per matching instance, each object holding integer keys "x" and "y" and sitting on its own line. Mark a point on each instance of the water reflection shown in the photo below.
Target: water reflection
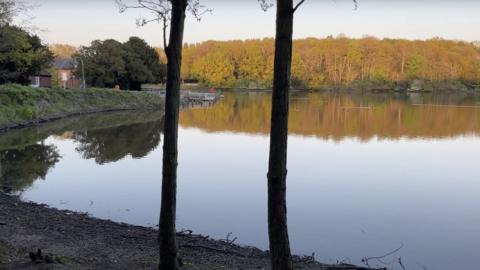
{"x": 112, "y": 144}
{"x": 19, "y": 168}
{"x": 354, "y": 197}
{"x": 339, "y": 116}
{"x": 105, "y": 138}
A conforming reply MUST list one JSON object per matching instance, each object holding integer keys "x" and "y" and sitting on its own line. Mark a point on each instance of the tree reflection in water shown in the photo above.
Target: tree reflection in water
{"x": 338, "y": 116}
{"x": 112, "y": 144}
{"x": 19, "y": 168}
{"x": 105, "y": 138}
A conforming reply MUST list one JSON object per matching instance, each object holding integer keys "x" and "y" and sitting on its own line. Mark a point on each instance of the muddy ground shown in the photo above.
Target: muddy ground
{"x": 69, "y": 240}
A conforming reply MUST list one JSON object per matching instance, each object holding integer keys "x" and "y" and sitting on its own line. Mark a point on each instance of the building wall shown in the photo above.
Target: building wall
{"x": 45, "y": 81}
{"x": 41, "y": 81}
{"x": 67, "y": 80}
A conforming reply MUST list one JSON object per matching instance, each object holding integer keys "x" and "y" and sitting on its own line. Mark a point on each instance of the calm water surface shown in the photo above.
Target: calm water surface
{"x": 367, "y": 174}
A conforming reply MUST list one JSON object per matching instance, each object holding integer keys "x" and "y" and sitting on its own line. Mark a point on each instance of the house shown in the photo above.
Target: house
{"x": 63, "y": 75}
{"x": 64, "y": 69}
{"x": 42, "y": 79}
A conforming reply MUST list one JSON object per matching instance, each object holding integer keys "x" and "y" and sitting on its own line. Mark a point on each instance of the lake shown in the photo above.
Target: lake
{"x": 367, "y": 173}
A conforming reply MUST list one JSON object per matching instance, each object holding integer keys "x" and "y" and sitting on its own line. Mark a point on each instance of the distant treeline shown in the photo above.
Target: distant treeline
{"x": 331, "y": 61}
{"x": 325, "y": 62}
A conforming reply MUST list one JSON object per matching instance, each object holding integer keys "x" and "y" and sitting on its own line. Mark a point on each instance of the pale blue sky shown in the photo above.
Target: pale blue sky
{"x": 79, "y": 22}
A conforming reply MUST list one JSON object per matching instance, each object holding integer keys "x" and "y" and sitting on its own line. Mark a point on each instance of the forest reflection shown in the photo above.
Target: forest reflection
{"x": 112, "y": 144}
{"x": 338, "y": 116}
{"x": 19, "y": 168}
{"x": 25, "y": 155}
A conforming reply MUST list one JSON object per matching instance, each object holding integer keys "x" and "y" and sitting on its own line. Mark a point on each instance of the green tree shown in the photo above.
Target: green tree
{"x": 104, "y": 62}
{"x": 415, "y": 65}
{"x": 130, "y": 64}
{"x": 142, "y": 64}
{"x": 21, "y": 55}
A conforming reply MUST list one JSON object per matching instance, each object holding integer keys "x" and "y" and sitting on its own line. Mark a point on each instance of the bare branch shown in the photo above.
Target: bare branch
{"x": 298, "y": 5}
{"x": 164, "y": 29}
{"x": 355, "y": 2}
{"x": 10, "y": 9}
{"x": 197, "y": 9}
{"x": 265, "y": 4}
{"x": 160, "y": 11}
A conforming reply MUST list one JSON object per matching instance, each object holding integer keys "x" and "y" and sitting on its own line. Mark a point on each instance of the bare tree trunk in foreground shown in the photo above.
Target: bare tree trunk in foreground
{"x": 277, "y": 168}
{"x": 167, "y": 229}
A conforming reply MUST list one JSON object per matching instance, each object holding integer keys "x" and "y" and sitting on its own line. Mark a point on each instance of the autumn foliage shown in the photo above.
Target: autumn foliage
{"x": 331, "y": 61}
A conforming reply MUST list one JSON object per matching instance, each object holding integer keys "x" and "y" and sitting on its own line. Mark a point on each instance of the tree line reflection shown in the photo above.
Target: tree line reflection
{"x": 112, "y": 144}
{"x": 26, "y": 155}
{"x": 339, "y": 116}
{"x": 19, "y": 168}
{"x": 31, "y": 159}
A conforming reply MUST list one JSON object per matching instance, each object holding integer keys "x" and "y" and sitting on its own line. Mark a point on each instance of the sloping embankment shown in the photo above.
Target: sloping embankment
{"x": 22, "y": 106}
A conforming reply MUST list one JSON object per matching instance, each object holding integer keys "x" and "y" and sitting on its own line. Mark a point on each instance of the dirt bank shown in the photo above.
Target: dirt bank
{"x": 71, "y": 240}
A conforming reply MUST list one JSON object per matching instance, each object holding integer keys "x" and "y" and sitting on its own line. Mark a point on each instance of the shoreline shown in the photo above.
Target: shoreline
{"x": 60, "y": 116}
{"x": 70, "y": 240}
{"x": 23, "y": 106}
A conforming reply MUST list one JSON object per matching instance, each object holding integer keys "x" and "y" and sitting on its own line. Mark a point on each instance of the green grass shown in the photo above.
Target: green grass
{"x": 22, "y": 104}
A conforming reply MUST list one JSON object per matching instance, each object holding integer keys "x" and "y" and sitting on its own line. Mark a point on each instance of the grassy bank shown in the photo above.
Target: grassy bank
{"x": 23, "y": 106}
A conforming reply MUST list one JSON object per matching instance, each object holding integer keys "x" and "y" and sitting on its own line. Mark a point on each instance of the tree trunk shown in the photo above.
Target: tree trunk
{"x": 277, "y": 169}
{"x": 402, "y": 68}
{"x": 167, "y": 230}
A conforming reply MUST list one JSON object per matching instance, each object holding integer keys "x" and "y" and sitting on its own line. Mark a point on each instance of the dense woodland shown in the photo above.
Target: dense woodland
{"x": 332, "y": 61}
{"x": 325, "y": 62}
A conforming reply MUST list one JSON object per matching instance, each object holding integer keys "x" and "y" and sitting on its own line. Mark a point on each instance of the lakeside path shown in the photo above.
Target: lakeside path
{"x": 70, "y": 240}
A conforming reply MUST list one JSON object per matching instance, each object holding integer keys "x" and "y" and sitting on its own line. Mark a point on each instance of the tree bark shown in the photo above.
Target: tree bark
{"x": 277, "y": 169}
{"x": 167, "y": 229}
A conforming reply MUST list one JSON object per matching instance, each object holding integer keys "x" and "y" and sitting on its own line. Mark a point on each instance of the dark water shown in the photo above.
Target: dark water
{"x": 367, "y": 174}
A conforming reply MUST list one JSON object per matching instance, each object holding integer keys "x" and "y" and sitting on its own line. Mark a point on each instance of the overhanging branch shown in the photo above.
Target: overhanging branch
{"x": 298, "y": 5}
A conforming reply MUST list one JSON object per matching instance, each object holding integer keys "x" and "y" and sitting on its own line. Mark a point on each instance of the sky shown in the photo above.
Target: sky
{"x": 78, "y": 22}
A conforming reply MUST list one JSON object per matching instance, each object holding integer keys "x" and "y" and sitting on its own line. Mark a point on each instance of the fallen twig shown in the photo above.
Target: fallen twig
{"x": 185, "y": 232}
{"x": 228, "y": 241}
{"x": 365, "y": 260}
{"x": 350, "y": 267}
{"x": 224, "y": 250}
